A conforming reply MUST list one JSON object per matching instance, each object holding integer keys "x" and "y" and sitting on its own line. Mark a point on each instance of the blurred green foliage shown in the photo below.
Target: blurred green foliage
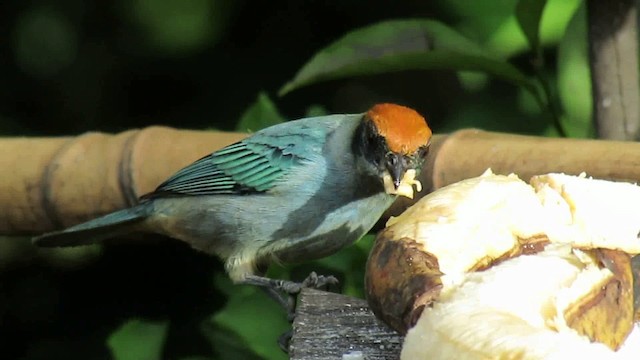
{"x": 179, "y": 27}
{"x": 73, "y": 66}
{"x": 259, "y": 115}
{"x": 44, "y": 42}
{"x": 138, "y": 340}
{"x": 244, "y": 306}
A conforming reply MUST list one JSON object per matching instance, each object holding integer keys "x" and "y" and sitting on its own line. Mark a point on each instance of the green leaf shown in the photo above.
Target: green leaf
{"x": 261, "y": 114}
{"x": 480, "y": 111}
{"x": 400, "y": 45}
{"x": 494, "y": 24}
{"x": 250, "y": 320}
{"x": 574, "y": 78}
{"x": 227, "y": 344}
{"x": 316, "y": 110}
{"x": 529, "y": 14}
{"x": 138, "y": 340}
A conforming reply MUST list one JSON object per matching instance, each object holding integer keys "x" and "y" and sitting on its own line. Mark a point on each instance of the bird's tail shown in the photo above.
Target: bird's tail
{"x": 96, "y": 230}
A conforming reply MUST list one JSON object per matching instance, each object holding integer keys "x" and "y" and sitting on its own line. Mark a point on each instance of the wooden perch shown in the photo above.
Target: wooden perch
{"x": 50, "y": 183}
{"x": 329, "y": 325}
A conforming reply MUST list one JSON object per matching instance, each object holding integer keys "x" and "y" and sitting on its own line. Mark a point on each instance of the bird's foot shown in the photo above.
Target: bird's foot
{"x": 288, "y": 287}
{"x": 284, "y": 341}
{"x": 286, "y": 291}
{"x": 313, "y": 281}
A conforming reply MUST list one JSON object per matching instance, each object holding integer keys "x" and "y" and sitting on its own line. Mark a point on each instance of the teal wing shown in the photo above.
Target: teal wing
{"x": 253, "y": 165}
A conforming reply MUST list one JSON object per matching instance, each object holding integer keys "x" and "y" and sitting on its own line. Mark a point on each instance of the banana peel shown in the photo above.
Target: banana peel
{"x": 407, "y": 280}
{"x": 437, "y": 259}
{"x": 605, "y": 313}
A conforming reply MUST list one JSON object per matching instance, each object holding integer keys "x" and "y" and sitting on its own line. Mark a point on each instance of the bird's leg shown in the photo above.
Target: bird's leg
{"x": 284, "y": 341}
{"x": 287, "y": 301}
{"x": 284, "y": 292}
{"x": 291, "y": 287}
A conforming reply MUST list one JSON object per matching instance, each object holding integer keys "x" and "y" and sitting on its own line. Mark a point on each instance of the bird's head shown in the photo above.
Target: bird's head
{"x": 393, "y": 141}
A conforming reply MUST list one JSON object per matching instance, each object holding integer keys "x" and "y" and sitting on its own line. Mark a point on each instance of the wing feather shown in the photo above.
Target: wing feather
{"x": 255, "y": 164}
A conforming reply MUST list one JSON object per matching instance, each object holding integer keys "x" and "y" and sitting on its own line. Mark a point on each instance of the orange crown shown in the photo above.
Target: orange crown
{"x": 403, "y": 128}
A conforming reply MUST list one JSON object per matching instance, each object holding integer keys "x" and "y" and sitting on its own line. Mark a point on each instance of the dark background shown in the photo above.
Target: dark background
{"x": 73, "y": 66}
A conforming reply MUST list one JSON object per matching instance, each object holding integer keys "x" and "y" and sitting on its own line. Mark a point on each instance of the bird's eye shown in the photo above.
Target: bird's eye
{"x": 391, "y": 159}
{"x": 423, "y": 152}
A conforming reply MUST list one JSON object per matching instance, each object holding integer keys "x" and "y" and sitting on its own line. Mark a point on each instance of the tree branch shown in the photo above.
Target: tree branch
{"x": 614, "y": 64}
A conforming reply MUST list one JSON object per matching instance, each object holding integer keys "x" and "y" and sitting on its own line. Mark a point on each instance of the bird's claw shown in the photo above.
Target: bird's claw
{"x": 284, "y": 341}
{"x": 313, "y": 281}
{"x": 316, "y": 281}
{"x": 285, "y": 291}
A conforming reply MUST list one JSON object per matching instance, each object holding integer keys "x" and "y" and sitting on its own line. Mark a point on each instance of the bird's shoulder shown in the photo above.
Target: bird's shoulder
{"x": 255, "y": 164}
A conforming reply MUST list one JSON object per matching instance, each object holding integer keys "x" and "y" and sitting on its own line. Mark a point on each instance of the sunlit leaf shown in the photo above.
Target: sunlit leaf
{"x": 555, "y": 18}
{"x": 494, "y": 24}
{"x": 529, "y": 14}
{"x": 477, "y": 19}
{"x": 138, "y": 340}
{"x": 401, "y": 45}
{"x": 261, "y": 114}
{"x": 574, "y": 78}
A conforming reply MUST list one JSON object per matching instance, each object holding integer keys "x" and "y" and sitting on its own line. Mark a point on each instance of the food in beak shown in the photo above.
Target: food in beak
{"x": 406, "y": 184}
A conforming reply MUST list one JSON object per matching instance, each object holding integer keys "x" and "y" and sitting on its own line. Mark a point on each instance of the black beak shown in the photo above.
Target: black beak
{"x": 396, "y": 165}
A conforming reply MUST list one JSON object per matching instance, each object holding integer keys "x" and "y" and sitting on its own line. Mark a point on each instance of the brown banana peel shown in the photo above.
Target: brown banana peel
{"x": 607, "y": 314}
{"x": 411, "y": 275}
{"x": 401, "y": 279}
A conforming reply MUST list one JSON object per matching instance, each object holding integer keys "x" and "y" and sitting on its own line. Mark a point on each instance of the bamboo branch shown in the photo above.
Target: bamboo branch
{"x": 468, "y": 153}
{"x": 50, "y": 183}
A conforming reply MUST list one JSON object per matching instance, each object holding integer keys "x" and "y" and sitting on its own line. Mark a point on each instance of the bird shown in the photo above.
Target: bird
{"x": 289, "y": 193}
